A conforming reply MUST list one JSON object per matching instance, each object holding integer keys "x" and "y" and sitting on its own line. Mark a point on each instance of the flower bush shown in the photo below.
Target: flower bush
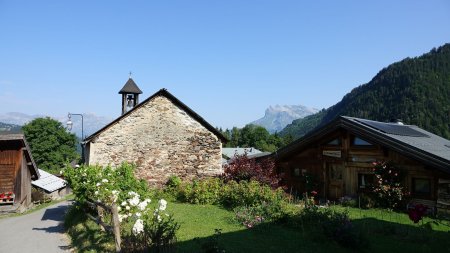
{"x": 150, "y": 228}
{"x": 417, "y": 212}
{"x": 142, "y": 226}
{"x": 249, "y": 216}
{"x": 105, "y": 184}
{"x": 388, "y": 191}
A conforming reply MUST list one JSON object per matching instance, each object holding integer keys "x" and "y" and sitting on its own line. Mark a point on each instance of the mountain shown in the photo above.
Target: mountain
{"x": 9, "y": 128}
{"x": 18, "y": 118}
{"x": 91, "y": 121}
{"x": 279, "y": 116}
{"x": 415, "y": 90}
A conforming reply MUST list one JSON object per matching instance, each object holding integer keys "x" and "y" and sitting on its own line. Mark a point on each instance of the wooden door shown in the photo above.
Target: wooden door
{"x": 335, "y": 180}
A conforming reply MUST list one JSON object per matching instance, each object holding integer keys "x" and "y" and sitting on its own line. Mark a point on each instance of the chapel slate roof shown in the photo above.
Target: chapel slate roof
{"x": 130, "y": 87}
{"x": 409, "y": 140}
{"x": 163, "y": 92}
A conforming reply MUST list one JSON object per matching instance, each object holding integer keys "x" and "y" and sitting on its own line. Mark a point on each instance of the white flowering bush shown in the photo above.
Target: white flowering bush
{"x": 142, "y": 225}
{"x": 104, "y": 184}
{"x": 150, "y": 227}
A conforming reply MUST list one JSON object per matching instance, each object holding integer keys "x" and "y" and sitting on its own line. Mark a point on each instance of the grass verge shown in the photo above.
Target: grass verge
{"x": 387, "y": 232}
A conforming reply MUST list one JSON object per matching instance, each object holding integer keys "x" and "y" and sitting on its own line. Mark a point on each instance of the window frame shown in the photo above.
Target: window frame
{"x": 421, "y": 194}
{"x": 368, "y": 186}
{"x": 353, "y": 145}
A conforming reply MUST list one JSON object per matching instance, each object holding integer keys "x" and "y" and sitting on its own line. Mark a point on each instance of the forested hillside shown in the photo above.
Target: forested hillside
{"x": 415, "y": 90}
{"x": 254, "y": 136}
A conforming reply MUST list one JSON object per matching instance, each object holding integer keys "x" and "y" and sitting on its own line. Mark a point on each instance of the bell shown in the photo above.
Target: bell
{"x": 130, "y": 100}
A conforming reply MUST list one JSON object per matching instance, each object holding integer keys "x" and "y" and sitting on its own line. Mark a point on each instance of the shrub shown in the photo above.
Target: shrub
{"x": 334, "y": 224}
{"x": 150, "y": 229}
{"x": 338, "y": 226}
{"x": 206, "y": 191}
{"x": 250, "y": 216}
{"x": 388, "y": 191}
{"x": 233, "y": 194}
{"x": 250, "y": 193}
{"x": 244, "y": 169}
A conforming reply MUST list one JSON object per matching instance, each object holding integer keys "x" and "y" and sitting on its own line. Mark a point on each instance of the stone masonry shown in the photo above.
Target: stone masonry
{"x": 162, "y": 140}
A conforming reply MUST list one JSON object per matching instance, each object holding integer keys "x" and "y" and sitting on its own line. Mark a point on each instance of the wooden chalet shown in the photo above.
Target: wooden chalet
{"x": 17, "y": 170}
{"x": 338, "y": 159}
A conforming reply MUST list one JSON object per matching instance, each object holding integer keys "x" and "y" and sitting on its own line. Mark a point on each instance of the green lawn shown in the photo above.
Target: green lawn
{"x": 386, "y": 231}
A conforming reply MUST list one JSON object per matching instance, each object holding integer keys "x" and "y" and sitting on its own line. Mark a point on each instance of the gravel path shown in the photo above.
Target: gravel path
{"x": 41, "y": 231}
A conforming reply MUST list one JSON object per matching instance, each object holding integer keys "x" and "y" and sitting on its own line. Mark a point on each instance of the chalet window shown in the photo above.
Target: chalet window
{"x": 421, "y": 186}
{"x": 335, "y": 142}
{"x": 296, "y": 172}
{"x": 365, "y": 181}
{"x": 360, "y": 142}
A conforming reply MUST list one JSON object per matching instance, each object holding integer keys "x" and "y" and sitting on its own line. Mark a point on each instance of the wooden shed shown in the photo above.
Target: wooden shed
{"x": 17, "y": 170}
{"x": 338, "y": 159}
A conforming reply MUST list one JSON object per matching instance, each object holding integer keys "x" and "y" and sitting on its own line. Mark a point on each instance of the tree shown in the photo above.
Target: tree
{"x": 51, "y": 145}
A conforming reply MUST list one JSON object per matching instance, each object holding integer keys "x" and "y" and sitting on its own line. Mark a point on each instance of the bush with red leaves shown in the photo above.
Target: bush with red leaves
{"x": 241, "y": 168}
{"x": 416, "y": 214}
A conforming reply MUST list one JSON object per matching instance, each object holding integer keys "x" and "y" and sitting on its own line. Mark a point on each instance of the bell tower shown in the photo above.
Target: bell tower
{"x": 130, "y": 95}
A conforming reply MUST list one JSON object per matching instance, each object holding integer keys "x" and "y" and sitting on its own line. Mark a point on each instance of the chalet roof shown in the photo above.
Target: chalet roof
{"x": 130, "y": 87}
{"x": 230, "y": 152}
{"x": 20, "y": 138}
{"x": 409, "y": 140}
{"x": 49, "y": 182}
{"x": 177, "y": 102}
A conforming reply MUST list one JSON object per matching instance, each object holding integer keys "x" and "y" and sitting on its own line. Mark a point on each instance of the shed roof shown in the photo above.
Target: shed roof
{"x": 130, "y": 87}
{"x": 231, "y": 152}
{"x": 409, "y": 140}
{"x": 49, "y": 182}
{"x": 20, "y": 140}
{"x": 177, "y": 102}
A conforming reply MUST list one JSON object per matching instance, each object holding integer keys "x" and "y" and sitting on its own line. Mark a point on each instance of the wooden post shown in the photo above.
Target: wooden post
{"x": 116, "y": 227}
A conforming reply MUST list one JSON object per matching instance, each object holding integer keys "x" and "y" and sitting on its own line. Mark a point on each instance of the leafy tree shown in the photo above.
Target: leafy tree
{"x": 51, "y": 145}
{"x": 257, "y": 137}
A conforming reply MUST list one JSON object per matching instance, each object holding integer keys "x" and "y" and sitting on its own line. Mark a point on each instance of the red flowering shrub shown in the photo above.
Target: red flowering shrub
{"x": 416, "y": 214}
{"x": 387, "y": 189}
{"x": 241, "y": 168}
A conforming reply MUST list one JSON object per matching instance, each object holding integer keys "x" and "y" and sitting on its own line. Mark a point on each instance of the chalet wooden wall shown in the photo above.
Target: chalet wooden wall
{"x": 10, "y": 161}
{"x": 336, "y": 166}
{"x": 25, "y": 185}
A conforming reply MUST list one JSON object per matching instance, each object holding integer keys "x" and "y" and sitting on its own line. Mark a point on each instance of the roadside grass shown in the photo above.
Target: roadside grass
{"x": 386, "y": 231}
{"x": 39, "y": 207}
{"x": 85, "y": 234}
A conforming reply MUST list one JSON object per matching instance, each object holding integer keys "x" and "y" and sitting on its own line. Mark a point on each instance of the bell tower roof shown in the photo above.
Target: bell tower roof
{"x": 130, "y": 88}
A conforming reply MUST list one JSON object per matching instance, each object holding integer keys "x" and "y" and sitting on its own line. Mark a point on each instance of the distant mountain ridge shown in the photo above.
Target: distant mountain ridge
{"x": 415, "y": 90}
{"x": 91, "y": 121}
{"x": 279, "y": 116}
{"x": 9, "y": 128}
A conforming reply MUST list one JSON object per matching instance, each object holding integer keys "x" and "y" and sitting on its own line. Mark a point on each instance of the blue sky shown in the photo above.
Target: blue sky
{"x": 227, "y": 60}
